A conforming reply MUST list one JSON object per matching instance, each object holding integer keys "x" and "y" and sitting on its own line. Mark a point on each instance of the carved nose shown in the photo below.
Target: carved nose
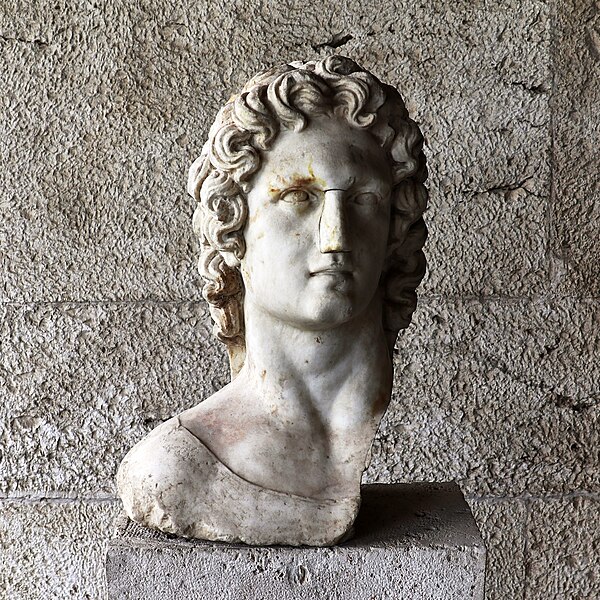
{"x": 333, "y": 234}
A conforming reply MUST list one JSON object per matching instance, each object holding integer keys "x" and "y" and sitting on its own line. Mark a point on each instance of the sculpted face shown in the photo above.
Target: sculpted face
{"x": 318, "y": 223}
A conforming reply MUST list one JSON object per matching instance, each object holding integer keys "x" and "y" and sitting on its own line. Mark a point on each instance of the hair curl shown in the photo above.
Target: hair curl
{"x": 288, "y": 96}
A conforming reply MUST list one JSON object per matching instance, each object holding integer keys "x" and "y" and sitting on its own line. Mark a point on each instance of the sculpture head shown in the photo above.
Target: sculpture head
{"x": 310, "y": 201}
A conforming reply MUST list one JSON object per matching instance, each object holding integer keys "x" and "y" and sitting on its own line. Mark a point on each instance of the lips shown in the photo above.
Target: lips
{"x": 332, "y": 270}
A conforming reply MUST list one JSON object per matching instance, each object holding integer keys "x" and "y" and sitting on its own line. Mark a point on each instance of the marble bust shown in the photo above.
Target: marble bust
{"x": 310, "y": 199}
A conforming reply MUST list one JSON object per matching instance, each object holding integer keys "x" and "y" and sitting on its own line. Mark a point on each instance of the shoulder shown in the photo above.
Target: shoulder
{"x": 172, "y": 482}
{"x": 157, "y": 476}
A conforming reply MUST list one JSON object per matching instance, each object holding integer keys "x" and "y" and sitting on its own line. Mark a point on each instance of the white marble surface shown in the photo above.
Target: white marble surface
{"x": 303, "y": 256}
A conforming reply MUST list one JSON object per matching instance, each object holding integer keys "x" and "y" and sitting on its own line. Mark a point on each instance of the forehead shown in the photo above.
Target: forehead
{"x": 328, "y": 153}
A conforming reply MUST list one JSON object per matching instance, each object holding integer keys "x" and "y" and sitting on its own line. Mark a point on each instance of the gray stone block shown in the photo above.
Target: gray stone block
{"x": 575, "y": 209}
{"x": 414, "y": 542}
{"x": 500, "y": 396}
{"x": 563, "y": 543}
{"x": 80, "y": 384}
{"x": 54, "y": 549}
{"x": 502, "y": 524}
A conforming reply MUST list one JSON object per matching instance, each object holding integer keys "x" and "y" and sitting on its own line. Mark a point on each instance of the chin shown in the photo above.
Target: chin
{"x": 330, "y": 312}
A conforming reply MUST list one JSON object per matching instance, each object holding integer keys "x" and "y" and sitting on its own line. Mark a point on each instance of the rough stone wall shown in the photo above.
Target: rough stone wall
{"x": 103, "y": 332}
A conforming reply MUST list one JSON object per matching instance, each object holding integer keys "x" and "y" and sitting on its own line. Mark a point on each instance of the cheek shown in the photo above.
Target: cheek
{"x": 275, "y": 257}
{"x": 371, "y": 232}
{"x": 279, "y": 231}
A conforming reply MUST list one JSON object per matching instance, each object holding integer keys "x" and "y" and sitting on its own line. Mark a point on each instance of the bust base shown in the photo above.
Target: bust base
{"x": 412, "y": 541}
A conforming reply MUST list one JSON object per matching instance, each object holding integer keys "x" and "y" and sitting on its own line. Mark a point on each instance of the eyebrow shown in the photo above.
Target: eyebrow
{"x": 282, "y": 182}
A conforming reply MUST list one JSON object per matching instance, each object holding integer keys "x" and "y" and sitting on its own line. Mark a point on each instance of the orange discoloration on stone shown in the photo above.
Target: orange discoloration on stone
{"x": 297, "y": 180}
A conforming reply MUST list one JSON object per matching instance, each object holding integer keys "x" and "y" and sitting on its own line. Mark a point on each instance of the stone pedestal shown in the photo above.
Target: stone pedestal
{"x": 412, "y": 541}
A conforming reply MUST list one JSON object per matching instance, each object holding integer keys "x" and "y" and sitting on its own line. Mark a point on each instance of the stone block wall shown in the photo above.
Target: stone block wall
{"x": 103, "y": 331}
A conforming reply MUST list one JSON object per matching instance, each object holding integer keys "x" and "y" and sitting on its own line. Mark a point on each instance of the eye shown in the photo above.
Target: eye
{"x": 295, "y": 196}
{"x": 366, "y": 199}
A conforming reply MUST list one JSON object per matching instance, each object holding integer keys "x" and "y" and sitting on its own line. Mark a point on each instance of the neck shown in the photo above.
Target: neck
{"x": 340, "y": 376}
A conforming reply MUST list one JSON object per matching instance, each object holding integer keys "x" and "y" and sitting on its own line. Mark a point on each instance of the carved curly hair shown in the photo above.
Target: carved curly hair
{"x": 288, "y": 96}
